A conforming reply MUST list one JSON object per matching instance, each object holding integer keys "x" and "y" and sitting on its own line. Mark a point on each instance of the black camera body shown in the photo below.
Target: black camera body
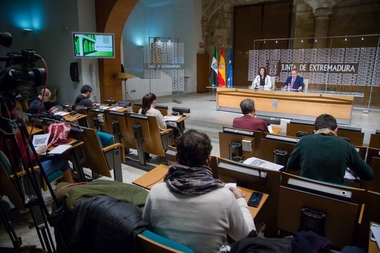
{"x": 11, "y": 77}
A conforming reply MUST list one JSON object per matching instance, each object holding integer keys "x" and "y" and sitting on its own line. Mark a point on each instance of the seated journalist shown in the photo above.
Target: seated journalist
{"x": 43, "y": 97}
{"x": 84, "y": 98}
{"x": 148, "y": 108}
{"x": 49, "y": 164}
{"x": 324, "y": 156}
{"x": 294, "y": 82}
{"x": 192, "y": 207}
{"x": 248, "y": 121}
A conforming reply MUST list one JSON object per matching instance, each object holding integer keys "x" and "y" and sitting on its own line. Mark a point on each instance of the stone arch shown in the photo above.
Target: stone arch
{"x": 111, "y": 16}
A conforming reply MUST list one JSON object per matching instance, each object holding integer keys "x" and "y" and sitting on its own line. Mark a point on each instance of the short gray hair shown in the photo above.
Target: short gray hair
{"x": 247, "y": 106}
{"x": 47, "y": 92}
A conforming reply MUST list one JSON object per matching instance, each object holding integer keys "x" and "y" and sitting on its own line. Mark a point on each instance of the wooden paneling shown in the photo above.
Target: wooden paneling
{"x": 292, "y": 103}
{"x": 111, "y": 17}
{"x": 259, "y": 21}
{"x": 203, "y": 71}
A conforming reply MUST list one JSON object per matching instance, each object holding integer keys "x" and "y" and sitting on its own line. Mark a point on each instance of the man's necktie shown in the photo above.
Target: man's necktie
{"x": 291, "y": 85}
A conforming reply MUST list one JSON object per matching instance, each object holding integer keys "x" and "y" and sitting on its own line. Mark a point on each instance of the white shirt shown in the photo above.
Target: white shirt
{"x": 256, "y": 83}
{"x": 200, "y": 222}
{"x": 160, "y": 118}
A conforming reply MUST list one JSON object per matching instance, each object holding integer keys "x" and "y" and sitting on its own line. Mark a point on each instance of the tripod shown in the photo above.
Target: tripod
{"x": 31, "y": 199}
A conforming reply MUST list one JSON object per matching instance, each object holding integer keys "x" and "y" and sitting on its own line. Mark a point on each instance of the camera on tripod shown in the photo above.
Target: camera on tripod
{"x": 20, "y": 68}
{"x": 26, "y": 72}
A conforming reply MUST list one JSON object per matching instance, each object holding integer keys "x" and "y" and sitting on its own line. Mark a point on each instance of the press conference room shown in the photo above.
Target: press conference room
{"x": 296, "y": 60}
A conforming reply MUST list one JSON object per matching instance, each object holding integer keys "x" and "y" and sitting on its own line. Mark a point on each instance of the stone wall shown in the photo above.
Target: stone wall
{"x": 217, "y": 21}
{"x": 311, "y": 18}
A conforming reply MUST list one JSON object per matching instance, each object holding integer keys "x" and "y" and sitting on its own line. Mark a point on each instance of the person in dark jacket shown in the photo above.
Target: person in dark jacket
{"x": 84, "y": 98}
{"x": 104, "y": 224}
{"x": 324, "y": 156}
{"x": 43, "y": 97}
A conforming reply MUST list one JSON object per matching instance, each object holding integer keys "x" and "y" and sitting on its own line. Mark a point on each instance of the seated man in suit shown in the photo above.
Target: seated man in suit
{"x": 192, "y": 207}
{"x": 248, "y": 121}
{"x": 43, "y": 97}
{"x": 324, "y": 156}
{"x": 294, "y": 82}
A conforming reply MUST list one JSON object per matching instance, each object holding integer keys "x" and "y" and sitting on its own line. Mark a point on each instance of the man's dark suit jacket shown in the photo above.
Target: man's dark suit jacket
{"x": 297, "y": 83}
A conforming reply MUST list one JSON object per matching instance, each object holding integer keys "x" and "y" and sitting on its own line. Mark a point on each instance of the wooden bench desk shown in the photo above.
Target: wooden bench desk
{"x": 34, "y": 130}
{"x": 372, "y": 246}
{"x": 157, "y": 175}
{"x": 116, "y": 108}
{"x": 81, "y": 118}
{"x": 276, "y": 130}
{"x": 180, "y": 122}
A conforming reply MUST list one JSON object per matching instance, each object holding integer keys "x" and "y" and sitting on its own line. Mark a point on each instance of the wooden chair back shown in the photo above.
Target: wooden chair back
{"x": 231, "y": 134}
{"x": 162, "y": 108}
{"x": 23, "y": 104}
{"x": 373, "y": 185}
{"x": 374, "y": 141}
{"x": 93, "y": 113}
{"x": 372, "y": 152}
{"x": 355, "y": 137}
{"x": 341, "y": 204}
{"x": 152, "y": 141}
{"x": 370, "y": 214}
{"x": 266, "y": 181}
{"x": 126, "y": 136}
{"x": 269, "y": 145}
{"x": 92, "y": 149}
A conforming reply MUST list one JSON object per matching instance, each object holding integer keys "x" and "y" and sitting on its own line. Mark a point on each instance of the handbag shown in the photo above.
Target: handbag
{"x": 58, "y": 133}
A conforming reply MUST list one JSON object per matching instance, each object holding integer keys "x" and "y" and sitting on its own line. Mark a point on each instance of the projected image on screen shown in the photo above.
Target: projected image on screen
{"x": 93, "y": 45}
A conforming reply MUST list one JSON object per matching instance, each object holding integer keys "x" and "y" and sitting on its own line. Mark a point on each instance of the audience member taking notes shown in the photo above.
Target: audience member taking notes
{"x": 84, "y": 98}
{"x": 324, "y": 156}
{"x": 294, "y": 82}
{"x": 262, "y": 81}
{"x": 42, "y": 97}
{"x": 149, "y": 102}
{"x": 49, "y": 164}
{"x": 248, "y": 121}
{"x": 192, "y": 207}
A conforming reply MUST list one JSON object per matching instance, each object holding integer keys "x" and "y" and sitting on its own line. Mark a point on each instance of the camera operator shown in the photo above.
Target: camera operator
{"x": 43, "y": 97}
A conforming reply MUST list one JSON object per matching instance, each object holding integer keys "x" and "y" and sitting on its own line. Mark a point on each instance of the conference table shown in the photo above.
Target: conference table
{"x": 288, "y": 104}
{"x": 157, "y": 175}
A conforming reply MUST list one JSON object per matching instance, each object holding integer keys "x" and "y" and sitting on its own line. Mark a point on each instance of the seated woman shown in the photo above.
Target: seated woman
{"x": 262, "y": 81}
{"x": 149, "y": 102}
{"x": 50, "y": 165}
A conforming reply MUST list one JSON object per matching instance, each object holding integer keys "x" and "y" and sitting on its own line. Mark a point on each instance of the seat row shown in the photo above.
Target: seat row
{"x": 294, "y": 202}
{"x": 276, "y": 148}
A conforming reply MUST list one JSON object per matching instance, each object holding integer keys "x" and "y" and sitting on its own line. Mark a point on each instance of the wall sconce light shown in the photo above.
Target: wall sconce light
{"x": 302, "y": 40}
{"x": 362, "y": 37}
{"x": 27, "y": 30}
{"x": 265, "y": 41}
{"x": 276, "y": 41}
{"x": 345, "y": 39}
{"x": 316, "y": 40}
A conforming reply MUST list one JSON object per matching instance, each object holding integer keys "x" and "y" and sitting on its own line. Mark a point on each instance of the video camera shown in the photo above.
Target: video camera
{"x": 11, "y": 78}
